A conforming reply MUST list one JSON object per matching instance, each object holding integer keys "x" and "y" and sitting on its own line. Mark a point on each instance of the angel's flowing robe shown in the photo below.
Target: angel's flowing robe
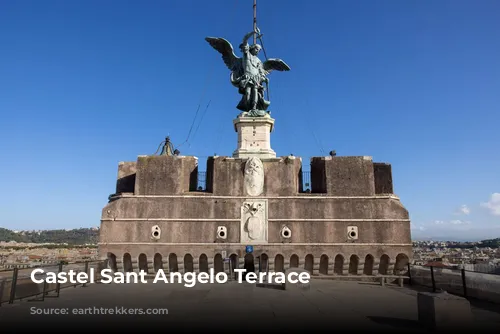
{"x": 250, "y": 74}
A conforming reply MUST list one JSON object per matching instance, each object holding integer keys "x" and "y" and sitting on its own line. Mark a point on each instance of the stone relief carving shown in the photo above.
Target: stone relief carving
{"x": 254, "y": 221}
{"x": 253, "y": 225}
{"x": 254, "y": 177}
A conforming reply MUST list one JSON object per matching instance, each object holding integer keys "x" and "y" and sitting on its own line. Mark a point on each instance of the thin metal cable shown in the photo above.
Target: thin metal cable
{"x": 204, "y": 89}
{"x": 201, "y": 120}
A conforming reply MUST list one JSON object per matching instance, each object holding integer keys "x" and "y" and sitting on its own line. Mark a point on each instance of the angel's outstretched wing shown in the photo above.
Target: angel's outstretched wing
{"x": 226, "y": 50}
{"x": 275, "y": 64}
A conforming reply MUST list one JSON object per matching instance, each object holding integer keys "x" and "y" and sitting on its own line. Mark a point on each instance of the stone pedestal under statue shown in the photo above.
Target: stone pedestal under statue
{"x": 254, "y": 137}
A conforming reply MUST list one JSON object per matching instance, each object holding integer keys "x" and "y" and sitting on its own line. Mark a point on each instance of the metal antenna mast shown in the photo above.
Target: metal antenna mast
{"x": 254, "y": 21}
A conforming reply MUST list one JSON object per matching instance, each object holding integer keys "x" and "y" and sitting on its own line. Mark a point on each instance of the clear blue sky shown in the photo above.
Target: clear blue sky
{"x": 86, "y": 84}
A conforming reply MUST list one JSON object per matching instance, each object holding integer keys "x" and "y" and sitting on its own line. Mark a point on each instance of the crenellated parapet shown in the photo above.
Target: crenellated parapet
{"x": 334, "y": 176}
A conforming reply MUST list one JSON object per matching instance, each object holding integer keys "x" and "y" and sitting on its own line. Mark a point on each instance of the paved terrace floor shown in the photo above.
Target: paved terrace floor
{"x": 329, "y": 305}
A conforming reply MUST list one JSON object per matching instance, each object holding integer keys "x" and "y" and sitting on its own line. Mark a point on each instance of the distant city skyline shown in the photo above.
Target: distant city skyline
{"x": 86, "y": 84}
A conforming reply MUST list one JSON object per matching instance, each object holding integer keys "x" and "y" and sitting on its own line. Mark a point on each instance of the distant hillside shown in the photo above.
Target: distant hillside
{"x": 493, "y": 243}
{"x": 78, "y": 236}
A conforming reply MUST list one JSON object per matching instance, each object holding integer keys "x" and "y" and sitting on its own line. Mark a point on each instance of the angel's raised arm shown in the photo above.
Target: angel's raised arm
{"x": 247, "y": 36}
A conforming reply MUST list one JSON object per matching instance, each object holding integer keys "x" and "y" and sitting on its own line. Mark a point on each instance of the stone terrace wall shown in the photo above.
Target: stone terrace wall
{"x": 480, "y": 286}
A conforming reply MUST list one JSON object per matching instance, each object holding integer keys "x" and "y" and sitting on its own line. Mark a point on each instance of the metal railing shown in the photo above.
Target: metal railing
{"x": 16, "y": 284}
{"x": 201, "y": 181}
{"x": 462, "y": 282}
{"x": 306, "y": 182}
{"x": 201, "y": 184}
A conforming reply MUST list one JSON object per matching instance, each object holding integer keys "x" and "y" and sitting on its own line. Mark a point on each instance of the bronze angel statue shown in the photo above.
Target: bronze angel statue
{"x": 248, "y": 73}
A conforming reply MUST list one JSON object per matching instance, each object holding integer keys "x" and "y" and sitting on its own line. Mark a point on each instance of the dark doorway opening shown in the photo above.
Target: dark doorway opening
{"x": 249, "y": 264}
{"x": 203, "y": 263}
{"x": 234, "y": 264}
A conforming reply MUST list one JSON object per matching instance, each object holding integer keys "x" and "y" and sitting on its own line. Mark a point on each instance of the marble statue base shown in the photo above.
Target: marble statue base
{"x": 254, "y": 137}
